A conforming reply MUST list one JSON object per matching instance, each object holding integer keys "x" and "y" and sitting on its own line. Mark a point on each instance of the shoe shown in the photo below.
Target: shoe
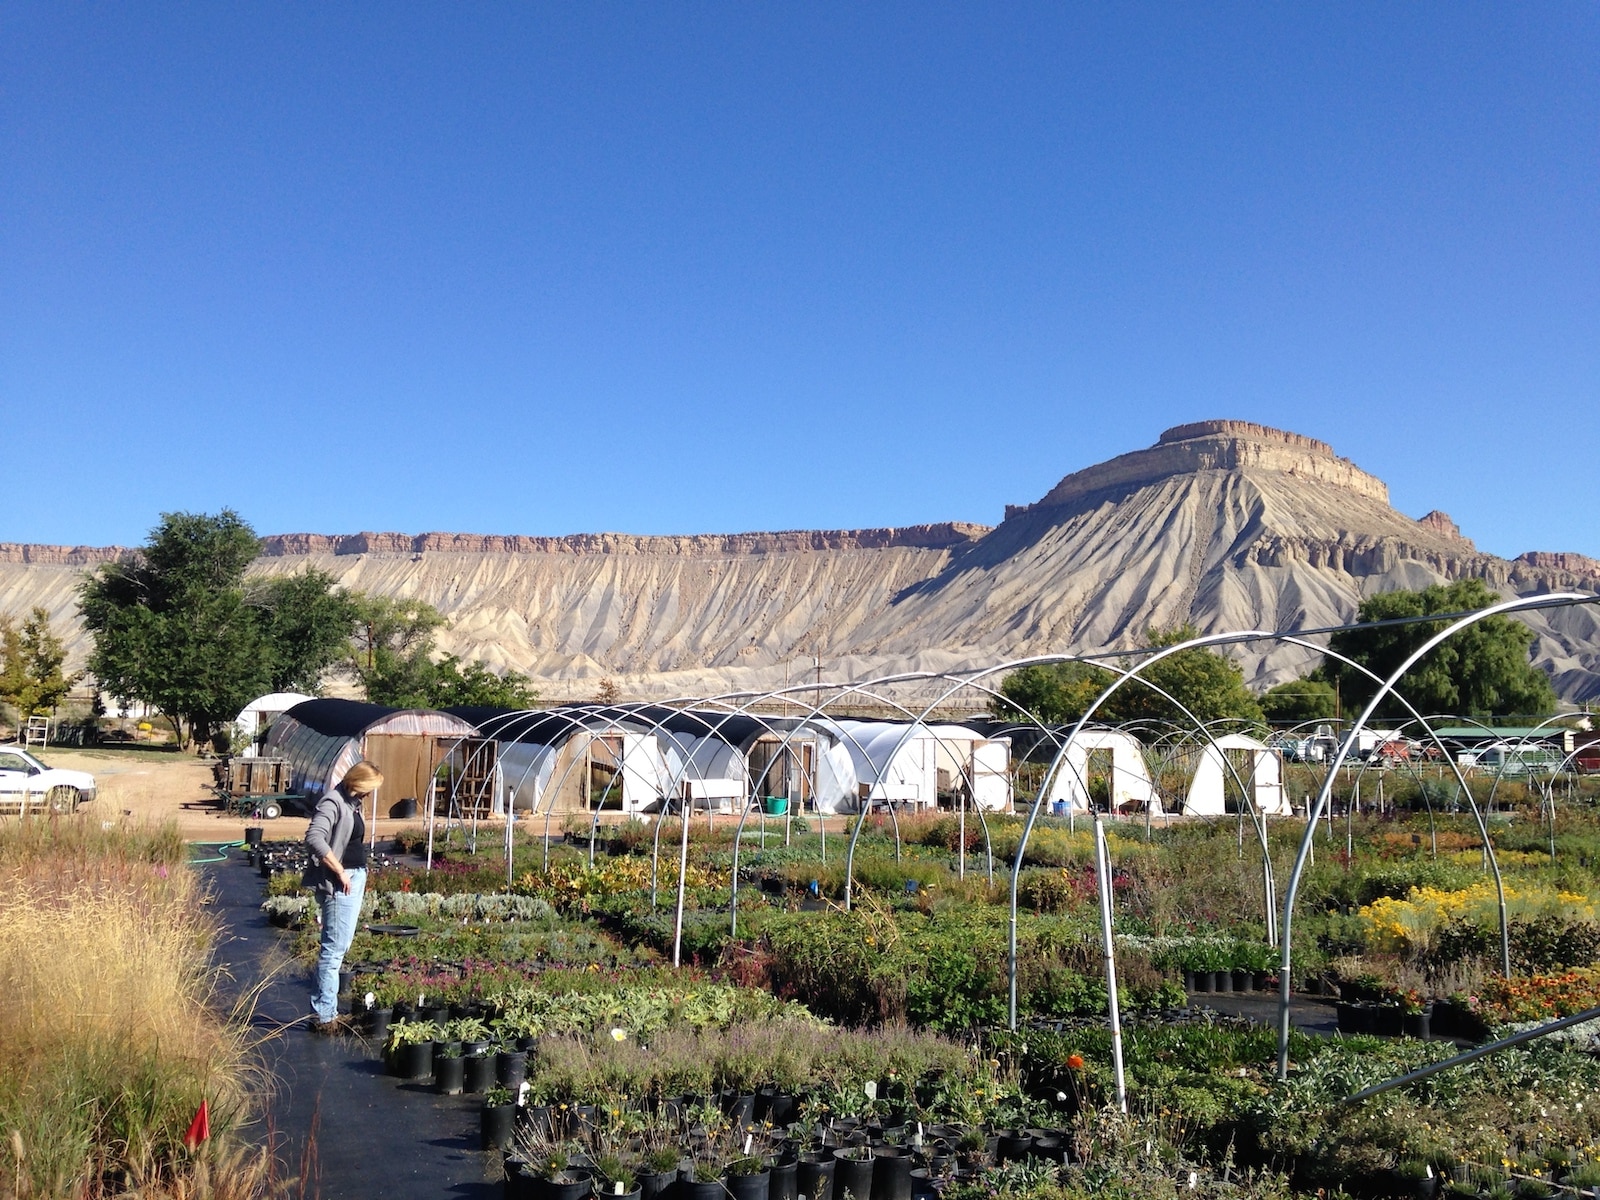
{"x": 337, "y": 1025}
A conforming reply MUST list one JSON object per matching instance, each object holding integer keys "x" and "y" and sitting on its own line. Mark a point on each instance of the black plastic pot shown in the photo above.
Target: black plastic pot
{"x": 568, "y": 1185}
{"x": 1014, "y": 1145}
{"x": 414, "y": 1061}
{"x": 478, "y": 1073}
{"x": 739, "y": 1106}
{"x": 784, "y": 1185}
{"x": 1222, "y": 981}
{"x": 1196, "y": 981}
{"x": 511, "y": 1068}
{"x": 1051, "y": 1149}
{"x": 495, "y": 1126}
{"x": 376, "y": 1023}
{"x": 1352, "y": 1017}
{"x": 694, "y": 1189}
{"x": 252, "y": 835}
{"x": 653, "y": 1184}
{"x": 1244, "y": 981}
{"x": 852, "y": 1174}
{"x": 1417, "y": 1024}
{"x": 755, "y": 1186}
{"x": 447, "y": 1074}
{"x": 891, "y": 1174}
{"x": 922, "y": 1184}
{"x": 814, "y": 1176}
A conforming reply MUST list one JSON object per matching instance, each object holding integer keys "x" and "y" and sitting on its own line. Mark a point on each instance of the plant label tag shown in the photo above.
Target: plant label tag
{"x": 369, "y": 998}
{"x": 871, "y": 1089}
{"x": 522, "y": 1093}
{"x": 616, "y": 1188}
{"x": 747, "y": 1140}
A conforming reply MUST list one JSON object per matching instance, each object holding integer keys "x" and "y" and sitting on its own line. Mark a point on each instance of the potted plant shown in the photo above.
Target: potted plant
{"x": 448, "y": 1068}
{"x": 852, "y": 1172}
{"x": 409, "y": 1050}
{"x": 1416, "y": 1014}
{"x": 496, "y": 1118}
{"x": 615, "y": 1176}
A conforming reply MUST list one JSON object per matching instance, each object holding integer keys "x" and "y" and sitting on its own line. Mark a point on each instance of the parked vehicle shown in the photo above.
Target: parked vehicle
{"x": 27, "y": 783}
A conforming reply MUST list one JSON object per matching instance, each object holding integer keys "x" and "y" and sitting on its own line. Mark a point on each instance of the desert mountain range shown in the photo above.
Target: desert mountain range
{"x": 1225, "y": 524}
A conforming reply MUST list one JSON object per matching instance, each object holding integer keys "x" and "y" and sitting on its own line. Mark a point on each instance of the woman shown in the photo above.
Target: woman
{"x": 337, "y": 837}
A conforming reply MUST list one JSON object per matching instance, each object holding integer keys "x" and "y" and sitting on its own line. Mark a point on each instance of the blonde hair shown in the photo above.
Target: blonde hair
{"x": 361, "y": 779}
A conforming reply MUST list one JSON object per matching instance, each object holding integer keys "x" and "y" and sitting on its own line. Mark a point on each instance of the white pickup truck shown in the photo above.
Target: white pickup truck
{"x": 28, "y": 785}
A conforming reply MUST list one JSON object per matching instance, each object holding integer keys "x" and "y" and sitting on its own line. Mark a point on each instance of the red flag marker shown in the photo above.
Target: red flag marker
{"x": 199, "y": 1128}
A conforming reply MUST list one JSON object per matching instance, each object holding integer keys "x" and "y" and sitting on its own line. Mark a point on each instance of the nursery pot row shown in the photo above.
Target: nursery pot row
{"x": 1223, "y": 981}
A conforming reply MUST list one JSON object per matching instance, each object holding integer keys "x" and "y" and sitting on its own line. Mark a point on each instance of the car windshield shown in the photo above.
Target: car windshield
{"x": 26, "y": 756}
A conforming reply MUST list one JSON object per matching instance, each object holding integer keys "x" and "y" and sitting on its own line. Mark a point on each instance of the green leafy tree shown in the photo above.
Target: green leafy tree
{"x": 1480, "y": 671}
{"x": 1053, "y": 692}
{"x": 392, "y": 650}
{"x": 1300, "y": 700}
{"x": 392, "y": 657}
{"x": 171, "y": 625}
{"x": 306, "y": 626}
{"x": 457, "y": 683}
{"x": 1202, "y": 681}
{"x": 31, "y": 658}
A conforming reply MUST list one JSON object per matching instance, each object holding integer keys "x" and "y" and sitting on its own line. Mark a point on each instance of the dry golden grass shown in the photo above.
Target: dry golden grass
{"x": 108, "y": 1031}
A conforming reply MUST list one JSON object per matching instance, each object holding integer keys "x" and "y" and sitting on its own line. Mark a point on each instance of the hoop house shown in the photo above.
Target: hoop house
{"x": 873, "y": 761}
{"x": 1128, "y": 778}
{"x": 323, "y": 739}
{"x": 569, "y": 759}
{"x": 257, "y": 717}
{"x": 1261, "y": 769}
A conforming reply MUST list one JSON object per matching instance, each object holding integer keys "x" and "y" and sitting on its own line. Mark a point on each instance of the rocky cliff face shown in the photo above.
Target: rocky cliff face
{"x": 1224, "y": 524}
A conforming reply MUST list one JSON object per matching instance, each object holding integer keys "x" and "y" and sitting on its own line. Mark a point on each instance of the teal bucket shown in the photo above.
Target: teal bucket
{"x": 775, "y": 806}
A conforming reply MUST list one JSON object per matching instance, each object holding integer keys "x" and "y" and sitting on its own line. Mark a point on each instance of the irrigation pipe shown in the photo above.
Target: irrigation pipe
{"x": 1477, "y": 1052}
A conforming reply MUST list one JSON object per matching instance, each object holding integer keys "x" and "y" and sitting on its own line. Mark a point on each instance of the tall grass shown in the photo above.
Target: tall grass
{"x": 109, "y": 1035}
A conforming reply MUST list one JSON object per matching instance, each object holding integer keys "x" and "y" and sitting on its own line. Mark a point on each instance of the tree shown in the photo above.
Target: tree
{"x": 31, "y": 679}
{"x": 306, "y": 627}
{"x": 392, "y": 657}
{"x": 392, "y": 650}
{"x": 171, "y": 626}
{"x": 1203, "y": 682}
{"x": 1305, "y": 699}
{"x": 458, "y": 684}
{"x": 1481, "y": 671}
{"x": 1055, "y": 693}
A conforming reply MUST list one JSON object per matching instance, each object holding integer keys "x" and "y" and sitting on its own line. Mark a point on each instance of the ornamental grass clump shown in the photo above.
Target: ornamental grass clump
{"x": 111, "y": 1035}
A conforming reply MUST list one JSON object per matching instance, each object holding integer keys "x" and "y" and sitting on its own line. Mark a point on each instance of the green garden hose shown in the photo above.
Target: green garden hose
{"x": 222, "y": 856}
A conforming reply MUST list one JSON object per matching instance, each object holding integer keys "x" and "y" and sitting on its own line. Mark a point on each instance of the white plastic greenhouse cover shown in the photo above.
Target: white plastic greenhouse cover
{"x": 904, "y": 767}
{"x": 1206, "y": 790}
{"x": 699, "y": 759}
{"x": 261, "y": 710}
{"x": 1131, "y": 778}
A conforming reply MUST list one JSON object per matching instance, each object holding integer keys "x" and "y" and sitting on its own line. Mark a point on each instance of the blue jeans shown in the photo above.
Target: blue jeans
{"x": 340, "y": 913}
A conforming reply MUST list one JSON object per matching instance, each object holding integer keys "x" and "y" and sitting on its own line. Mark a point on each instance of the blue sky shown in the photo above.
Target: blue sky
{"x": 712, "y": 267}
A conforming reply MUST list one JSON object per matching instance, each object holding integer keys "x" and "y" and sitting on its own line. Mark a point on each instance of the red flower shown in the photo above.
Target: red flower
{"x": 1074, "y": 1062}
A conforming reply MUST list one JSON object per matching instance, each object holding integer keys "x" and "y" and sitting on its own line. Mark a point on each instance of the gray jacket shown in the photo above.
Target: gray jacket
{"x": 331, "y": 826}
